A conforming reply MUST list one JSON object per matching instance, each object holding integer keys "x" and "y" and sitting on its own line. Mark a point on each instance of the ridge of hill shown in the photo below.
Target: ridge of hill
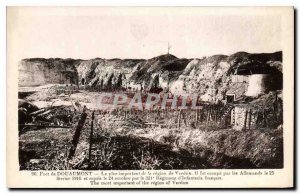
{"x": 205, "y": 76}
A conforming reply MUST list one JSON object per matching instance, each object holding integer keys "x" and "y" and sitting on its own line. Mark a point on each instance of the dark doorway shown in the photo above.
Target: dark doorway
{"x": 230, "y": 98}
{"x": 82, "y": 81}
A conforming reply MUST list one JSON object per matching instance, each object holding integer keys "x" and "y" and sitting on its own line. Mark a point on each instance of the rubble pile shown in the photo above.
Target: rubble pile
{"x": 31, "y": 116}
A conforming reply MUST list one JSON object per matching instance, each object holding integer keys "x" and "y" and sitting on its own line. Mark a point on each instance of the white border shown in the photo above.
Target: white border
{"x": 5, "y": 3}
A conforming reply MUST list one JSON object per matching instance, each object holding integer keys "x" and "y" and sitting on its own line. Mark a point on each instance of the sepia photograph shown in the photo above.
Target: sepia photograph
{"x": 103, "y": 88}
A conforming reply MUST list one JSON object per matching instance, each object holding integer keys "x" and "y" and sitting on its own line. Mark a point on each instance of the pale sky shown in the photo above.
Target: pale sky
{"x": 141, "y": 33}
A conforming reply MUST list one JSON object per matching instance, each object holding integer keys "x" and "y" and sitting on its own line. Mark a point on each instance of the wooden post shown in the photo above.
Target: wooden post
{"x": 183, "y": 117}
{"x": 214, "y": 114}
{"x": 249, "y": 118}
{"x": 166, "y": 112}
{"x": 77, "y": 134}
{"x": 91, "y": 138}
{"x": 207, "y": 114}
{"x": 245, "y": 123}
{"x": 197, "y": 116}
{"x": 178, "y": 119}
{"x": 264, "y": 118}
{"x": 210, "y": 114}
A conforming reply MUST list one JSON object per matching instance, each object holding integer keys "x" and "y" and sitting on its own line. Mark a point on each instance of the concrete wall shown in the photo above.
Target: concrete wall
{"x": 238, "y": 117}
{"x": 239, "y": 78}
{"x": 258, "y": 84}
{"x": 36, "y": 73}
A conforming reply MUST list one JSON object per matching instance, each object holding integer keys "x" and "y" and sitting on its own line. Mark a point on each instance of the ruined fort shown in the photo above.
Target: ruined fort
{"x": 239, "y": 98}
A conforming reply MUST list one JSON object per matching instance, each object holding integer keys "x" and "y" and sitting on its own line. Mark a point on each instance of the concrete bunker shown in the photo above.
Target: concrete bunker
{"x": 253, "y": 79}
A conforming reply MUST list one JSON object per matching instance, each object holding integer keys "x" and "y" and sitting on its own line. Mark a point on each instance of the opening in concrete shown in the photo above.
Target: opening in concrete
{"x": 230, "y": 98}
